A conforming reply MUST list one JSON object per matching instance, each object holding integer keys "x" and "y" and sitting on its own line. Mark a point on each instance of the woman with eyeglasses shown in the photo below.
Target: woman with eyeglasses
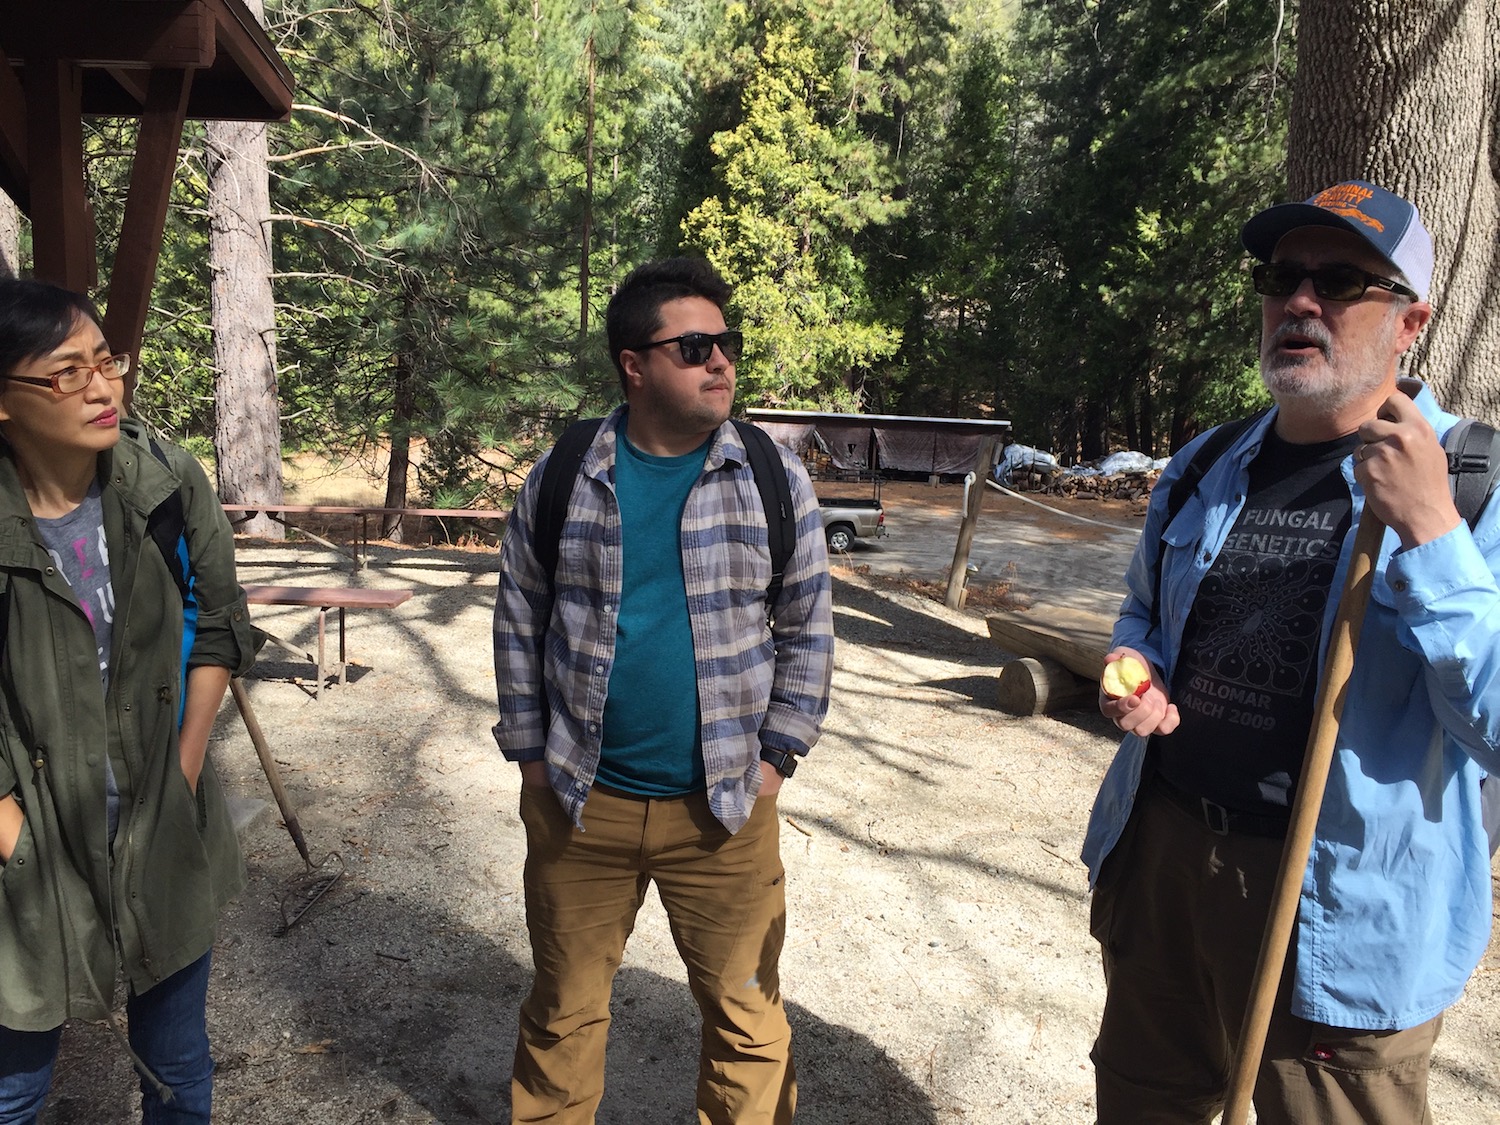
{"x": 116, "y": 848}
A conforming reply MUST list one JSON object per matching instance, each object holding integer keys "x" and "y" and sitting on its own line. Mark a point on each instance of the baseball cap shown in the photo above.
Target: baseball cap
{"x": 1387, "y": 222}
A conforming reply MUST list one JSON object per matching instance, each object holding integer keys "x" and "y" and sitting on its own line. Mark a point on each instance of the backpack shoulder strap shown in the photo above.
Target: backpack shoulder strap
{"x": 1213, "y": 447}
{"x": 1203, "y": 459}
{"x": 556, "y": 489}
{"x": 167, "y": 525}
{"x": 776, "y": 497}
{"x": 561, "y": 473}
{"x": 1473, "y": 450}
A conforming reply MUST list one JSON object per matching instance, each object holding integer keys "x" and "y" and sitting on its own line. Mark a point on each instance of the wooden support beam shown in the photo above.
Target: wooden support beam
{"x": 15, "y": 179}
{"x": 146, "y": 212}
{"x": 62, "y": 226}
{"x": 132, "y": 84}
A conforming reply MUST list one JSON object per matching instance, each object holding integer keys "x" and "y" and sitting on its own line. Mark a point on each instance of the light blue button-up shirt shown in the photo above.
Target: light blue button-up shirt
{"x": 1395, "y": 907}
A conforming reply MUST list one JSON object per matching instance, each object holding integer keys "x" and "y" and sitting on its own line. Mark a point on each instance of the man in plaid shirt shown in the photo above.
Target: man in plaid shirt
{"x": 655, "y": 711}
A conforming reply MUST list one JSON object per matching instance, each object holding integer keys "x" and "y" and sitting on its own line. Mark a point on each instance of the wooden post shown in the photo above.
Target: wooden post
{"x": 146, "y": 213}
{"x": 982, "y": 466}
{"x": 62, "y": 227}
{"x": 15, "y": 176}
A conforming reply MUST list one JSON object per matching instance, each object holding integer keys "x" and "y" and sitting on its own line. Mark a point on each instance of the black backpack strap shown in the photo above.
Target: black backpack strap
{"x": 556, "y": 489}
{"x": 560, "y": 474}
{"x": 1210, "y": 451}
{"x": 1473, "y": 466}
{"x": 167, "y": 524}
{"x": 1214, "y": 446}
{"x": 776, "y": 497}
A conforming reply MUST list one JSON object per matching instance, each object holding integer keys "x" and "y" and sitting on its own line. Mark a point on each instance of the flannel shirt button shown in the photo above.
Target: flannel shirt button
{"x": 1399, "y": 585}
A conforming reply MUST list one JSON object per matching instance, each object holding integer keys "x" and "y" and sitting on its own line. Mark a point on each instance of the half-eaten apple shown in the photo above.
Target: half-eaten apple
{"x": 1125, "y": 676}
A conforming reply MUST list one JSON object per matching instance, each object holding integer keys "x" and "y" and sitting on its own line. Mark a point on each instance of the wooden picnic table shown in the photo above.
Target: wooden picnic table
{"x": 324, "y": 598}
{"x": 240, "y": 513}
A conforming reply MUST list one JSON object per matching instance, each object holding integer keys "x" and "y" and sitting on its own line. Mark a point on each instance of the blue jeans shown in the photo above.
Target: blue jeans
{"x": 168, "y": 1030}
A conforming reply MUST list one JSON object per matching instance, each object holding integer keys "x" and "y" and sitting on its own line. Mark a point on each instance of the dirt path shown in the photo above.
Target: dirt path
{"x": 938, "y": 967}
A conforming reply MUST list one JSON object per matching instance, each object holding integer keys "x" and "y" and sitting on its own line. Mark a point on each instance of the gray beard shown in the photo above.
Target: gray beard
{"x": 1332, "y": 390}
{"x": 1285, "y": 380}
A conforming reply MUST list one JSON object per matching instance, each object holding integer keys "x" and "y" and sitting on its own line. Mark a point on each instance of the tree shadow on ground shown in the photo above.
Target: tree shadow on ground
{"x": 868, "y": 615}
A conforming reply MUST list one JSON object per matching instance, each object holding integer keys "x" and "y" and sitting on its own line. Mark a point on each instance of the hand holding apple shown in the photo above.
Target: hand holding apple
{"x": 1131, "y": 696}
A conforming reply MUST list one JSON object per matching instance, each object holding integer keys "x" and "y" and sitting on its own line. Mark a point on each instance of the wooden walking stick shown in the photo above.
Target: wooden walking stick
{"x": 1328, "y": 707}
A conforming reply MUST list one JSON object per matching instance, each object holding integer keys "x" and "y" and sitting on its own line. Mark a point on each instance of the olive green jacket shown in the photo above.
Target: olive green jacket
{"x": 65, "y": 902}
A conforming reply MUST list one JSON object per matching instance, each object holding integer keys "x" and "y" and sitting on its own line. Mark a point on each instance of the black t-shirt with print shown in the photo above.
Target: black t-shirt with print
{"x": 1247, "y": 675}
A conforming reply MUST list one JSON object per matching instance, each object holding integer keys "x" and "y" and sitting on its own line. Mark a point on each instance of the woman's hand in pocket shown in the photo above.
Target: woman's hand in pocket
{"x": 11, "y": 819}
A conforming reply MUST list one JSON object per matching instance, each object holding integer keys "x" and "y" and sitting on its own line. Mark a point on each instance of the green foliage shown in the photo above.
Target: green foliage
{"x": 794, "y": 185}
{"x": 1160, "y": 129}
{"x": 418, "y": 280}
{"x": 948, "y": 207}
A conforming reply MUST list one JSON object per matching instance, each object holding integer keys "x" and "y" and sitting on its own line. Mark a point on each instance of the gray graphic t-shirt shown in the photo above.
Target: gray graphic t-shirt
{"x": 78, "y": 549}
{"x": 1247, "y": 675}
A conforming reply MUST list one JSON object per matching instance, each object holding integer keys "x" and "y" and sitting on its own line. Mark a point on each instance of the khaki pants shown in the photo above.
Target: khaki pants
{"x": 1179, "y": 912}
{"x": 725, "y": 901}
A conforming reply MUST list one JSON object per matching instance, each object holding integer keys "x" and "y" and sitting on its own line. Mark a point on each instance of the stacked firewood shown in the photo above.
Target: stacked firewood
{"x": 1115, "y": 486}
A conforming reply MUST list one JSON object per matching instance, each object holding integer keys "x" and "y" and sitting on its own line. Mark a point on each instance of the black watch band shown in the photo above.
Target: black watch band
{"x": 785, "y": 764}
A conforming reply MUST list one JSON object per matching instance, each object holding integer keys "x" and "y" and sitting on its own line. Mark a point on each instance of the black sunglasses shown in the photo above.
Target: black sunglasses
{"x": 696, "y": 347}
{"x": 1332, "y": 283}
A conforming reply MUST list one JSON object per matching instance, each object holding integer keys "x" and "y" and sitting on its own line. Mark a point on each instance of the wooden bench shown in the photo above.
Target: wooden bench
{"x": 324, "y": 598}
{"x": 1060, "y": 654}
{"x": 241, "y": 513}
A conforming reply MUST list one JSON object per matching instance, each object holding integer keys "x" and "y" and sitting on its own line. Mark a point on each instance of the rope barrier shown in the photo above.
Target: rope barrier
{"x": 1116, "y": 528}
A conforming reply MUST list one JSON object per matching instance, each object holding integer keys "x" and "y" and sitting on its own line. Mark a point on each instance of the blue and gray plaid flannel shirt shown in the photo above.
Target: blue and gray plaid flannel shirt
{"x": 758, "y": 684}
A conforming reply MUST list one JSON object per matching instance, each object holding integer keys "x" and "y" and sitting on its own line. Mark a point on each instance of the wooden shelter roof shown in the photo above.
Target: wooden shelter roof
{"x": 163, "y": 61}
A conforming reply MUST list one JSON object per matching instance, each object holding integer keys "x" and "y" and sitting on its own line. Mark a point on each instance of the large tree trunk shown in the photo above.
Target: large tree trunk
{"x": 1406, "y": 94}
{"x": 247, "y": 430}
{"x": 10, "y": 237}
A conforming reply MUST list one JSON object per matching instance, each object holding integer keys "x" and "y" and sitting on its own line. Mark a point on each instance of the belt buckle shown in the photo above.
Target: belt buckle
{"x": 1216, "y": 817}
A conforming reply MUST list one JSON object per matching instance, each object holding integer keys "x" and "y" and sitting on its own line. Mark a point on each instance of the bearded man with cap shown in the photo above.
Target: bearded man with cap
{"x": 1230, "y": 606}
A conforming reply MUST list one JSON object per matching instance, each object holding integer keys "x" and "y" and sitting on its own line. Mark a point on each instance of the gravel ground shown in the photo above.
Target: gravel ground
{"x": 938, "y": 967}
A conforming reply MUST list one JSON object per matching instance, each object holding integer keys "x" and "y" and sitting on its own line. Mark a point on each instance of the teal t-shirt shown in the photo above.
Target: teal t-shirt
{"x": 652, "y": 744}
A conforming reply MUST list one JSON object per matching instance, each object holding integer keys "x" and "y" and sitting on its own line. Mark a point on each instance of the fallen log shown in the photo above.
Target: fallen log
{"x": 1075, "y": 638}
{"x": 1028, "y": 686}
